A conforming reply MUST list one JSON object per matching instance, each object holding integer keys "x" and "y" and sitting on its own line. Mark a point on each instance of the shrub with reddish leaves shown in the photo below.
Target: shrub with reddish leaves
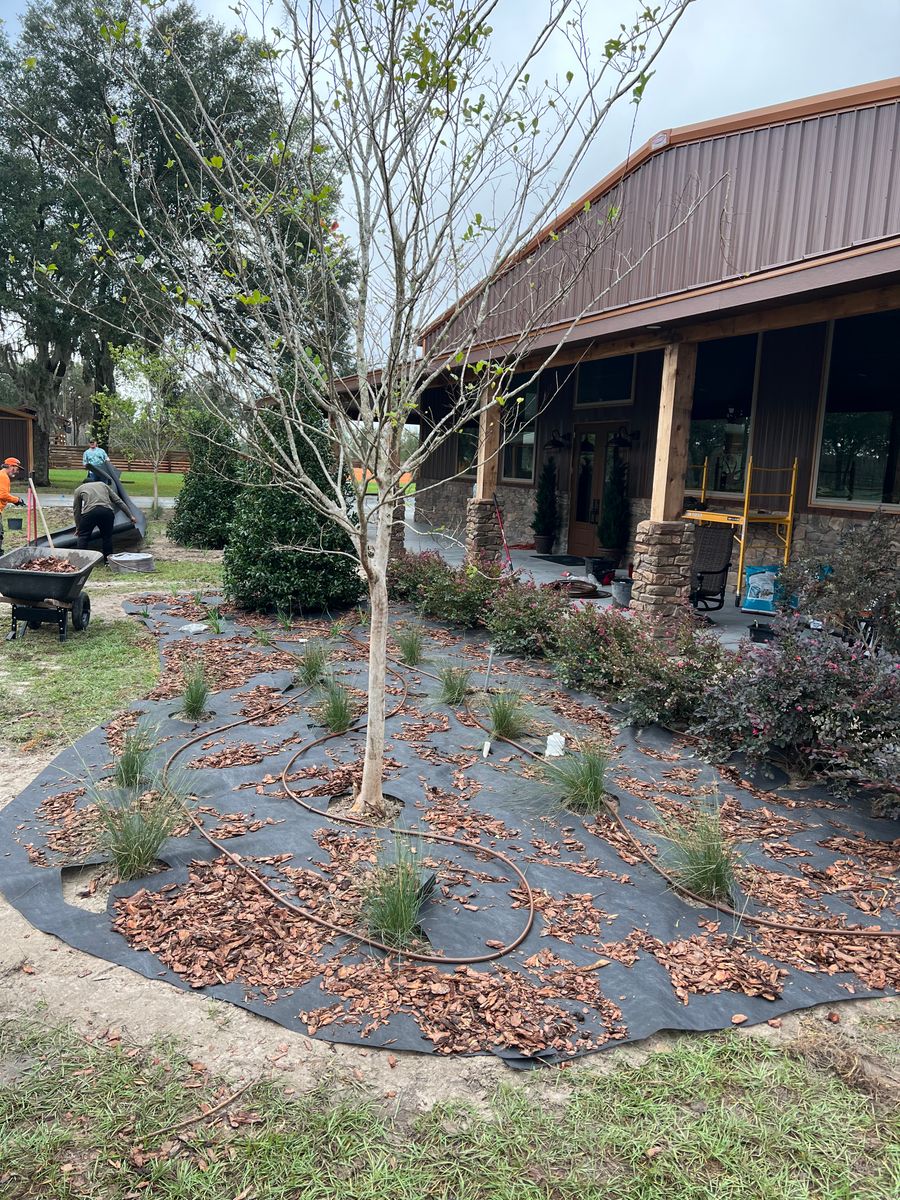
{"x": 525, "y": 619}
{"x": 823, "y": 707}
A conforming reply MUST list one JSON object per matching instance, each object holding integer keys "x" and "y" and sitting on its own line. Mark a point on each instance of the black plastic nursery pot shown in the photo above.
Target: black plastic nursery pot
{"x": 761, "y": 632}
{"x": 14, "y": 523}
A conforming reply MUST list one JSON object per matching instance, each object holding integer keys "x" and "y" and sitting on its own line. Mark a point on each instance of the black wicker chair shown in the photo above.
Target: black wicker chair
{"x": 713, "y": 548}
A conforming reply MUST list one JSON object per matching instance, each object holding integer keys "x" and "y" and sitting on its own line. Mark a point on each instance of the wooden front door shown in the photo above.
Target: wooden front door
{"x": 589, "y": 452}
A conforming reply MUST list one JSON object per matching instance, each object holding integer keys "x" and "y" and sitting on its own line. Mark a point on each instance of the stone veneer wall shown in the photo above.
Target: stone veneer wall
{"x": 445, "y": 506}
{"x": 663, "y": 554}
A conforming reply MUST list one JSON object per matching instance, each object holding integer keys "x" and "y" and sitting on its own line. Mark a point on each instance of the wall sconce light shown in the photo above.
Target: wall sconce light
{"x": 558, "y": 441}
{"x": 623, "y": 439}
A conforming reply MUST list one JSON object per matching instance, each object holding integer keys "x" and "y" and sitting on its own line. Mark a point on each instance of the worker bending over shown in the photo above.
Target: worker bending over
{"x": 9, "y": 470}
{"x": 95, "y": 508}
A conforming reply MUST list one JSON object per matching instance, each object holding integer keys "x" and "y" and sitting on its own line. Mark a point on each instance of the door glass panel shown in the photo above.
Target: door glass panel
{"x": 584, "y": 485}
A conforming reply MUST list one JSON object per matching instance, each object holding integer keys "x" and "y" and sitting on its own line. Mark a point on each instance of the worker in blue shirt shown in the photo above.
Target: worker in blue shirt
{"x": 94, "y": 456}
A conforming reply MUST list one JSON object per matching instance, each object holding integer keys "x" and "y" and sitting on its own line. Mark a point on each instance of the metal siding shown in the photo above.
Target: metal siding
{"x": 804, "y": 188}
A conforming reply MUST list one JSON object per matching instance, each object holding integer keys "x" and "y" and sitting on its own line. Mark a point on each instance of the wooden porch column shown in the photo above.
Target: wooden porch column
{"x": 483, "y": 538}
{"x": 488, "y": 463}
{"x": 676, "y": 396}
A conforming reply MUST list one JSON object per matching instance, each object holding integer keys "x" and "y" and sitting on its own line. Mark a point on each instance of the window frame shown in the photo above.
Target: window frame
{"x": 833, "y": 502}
{"x": 520, "y": 480}
{"x": 578, "y": 405}
{"x": 471, "y": 471}
{"x": 738, "y": 497}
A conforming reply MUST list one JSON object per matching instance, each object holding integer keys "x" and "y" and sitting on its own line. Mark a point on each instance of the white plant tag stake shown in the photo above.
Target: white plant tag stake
{"x": 486, "y": 749}
{"x": 556, "y": 745}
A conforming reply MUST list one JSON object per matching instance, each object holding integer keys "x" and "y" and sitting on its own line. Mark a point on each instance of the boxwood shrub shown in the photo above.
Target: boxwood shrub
{"x": 206, "y": 504}
{"x": 281, "y": 554}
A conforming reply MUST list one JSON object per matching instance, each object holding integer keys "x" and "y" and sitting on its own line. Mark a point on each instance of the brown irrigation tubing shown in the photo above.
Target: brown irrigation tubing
{"x": 747, "y": 918}
{"x": 445, "y": 839}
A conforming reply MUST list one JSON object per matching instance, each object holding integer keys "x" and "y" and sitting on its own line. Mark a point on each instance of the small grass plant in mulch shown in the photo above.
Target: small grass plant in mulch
{"x": 134, "y": 827}
{"x": 214, "y": 620}
{"x": 507, "y": 715}
{"x": 195, "y": 696}
{"x": 132, "y": 766}
{"x": 711, "y": 1117}
{"x": 312, "y": 664}
{"x": 410, "y": 641}
{"x": 580, "y": 779}
{"x": 394, "y": 894}
{"x": 335, "y": 710}
{"x": 700, "y": 856}
{"x": 454, "y": 684}
{"x": 51, "y": 692}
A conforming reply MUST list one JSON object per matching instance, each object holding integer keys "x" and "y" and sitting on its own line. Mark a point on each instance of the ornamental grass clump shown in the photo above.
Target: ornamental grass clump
{"x": 411, "y": 644}
{"x": 132, "y": 764}
{"x": 394, "y": 896}
{"x": 580, "y": 780}
{"x": 701, "y": 858}
{"x": 312, "y": 664}
{"x": 454, "y": 684}
{"x": 195, "y": 696}
{"x": 335, "y": 711}
{"x": 134, "y": 827}
{"x": 508, "y": 716}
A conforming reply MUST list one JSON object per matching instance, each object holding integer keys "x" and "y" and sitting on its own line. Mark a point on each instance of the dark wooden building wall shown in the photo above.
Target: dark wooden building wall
{"x": 15, "y": 439}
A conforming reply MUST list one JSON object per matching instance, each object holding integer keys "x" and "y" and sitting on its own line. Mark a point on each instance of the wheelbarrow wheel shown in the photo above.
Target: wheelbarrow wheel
{"x": 81, "y": 611}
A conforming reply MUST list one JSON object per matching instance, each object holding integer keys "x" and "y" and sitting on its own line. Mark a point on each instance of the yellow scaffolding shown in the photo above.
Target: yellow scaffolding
{"x": 752, "y": 513}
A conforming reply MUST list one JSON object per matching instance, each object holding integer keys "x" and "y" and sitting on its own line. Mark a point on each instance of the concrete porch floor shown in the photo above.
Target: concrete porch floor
{"x": 729, "y": 623}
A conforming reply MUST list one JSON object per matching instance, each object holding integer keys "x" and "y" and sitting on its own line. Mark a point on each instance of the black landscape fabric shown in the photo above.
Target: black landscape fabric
{"x": 614, "y": 954}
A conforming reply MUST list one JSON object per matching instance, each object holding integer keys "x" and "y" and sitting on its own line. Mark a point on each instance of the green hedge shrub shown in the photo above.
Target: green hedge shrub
{"x": 263, "y": 572}
{"x": 208, "y": 498}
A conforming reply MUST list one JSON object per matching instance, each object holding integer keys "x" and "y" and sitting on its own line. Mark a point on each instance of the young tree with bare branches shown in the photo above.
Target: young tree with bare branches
{"x": 410, "y": 166}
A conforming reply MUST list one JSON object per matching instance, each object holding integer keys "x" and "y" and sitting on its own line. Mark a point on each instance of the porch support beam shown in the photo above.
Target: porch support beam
{"x": 488, "y": 463}
{"x": 676, "y": 396}
{"x": 483, "y": 538}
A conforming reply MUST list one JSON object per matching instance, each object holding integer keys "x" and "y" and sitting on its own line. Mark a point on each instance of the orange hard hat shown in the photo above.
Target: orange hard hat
{"x": 11, "y": 462}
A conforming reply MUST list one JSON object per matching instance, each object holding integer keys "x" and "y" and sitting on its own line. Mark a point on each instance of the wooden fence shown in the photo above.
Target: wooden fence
{"x": 68, "y": 458}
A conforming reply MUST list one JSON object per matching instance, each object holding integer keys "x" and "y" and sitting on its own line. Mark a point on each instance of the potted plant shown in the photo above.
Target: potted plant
{"x": 615, "y": 515}
{"x": 546, "y": 510}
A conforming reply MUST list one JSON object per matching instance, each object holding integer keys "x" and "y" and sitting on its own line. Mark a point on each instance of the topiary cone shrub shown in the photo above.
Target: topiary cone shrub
{"x": 206, "y": 504}
{"x": 281, "y": 554}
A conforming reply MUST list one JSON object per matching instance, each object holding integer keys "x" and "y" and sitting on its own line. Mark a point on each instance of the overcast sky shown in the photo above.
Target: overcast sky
{"x": 725, "y": 56}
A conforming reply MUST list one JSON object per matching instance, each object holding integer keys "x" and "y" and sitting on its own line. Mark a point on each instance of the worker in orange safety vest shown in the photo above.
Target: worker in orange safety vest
{"x": 8, "y": 472}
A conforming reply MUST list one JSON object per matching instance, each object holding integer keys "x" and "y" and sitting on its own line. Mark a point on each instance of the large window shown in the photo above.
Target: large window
{"x": 859, "y": 448}
{"x": 519, "y": 428}
{"x": 721, "y": 412}
{"x": 605, "y": 381}
{"x": 467, "y": 448}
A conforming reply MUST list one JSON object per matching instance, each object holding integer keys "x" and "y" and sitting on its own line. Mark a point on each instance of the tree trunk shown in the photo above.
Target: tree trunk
{"x": 370, "y": 801}
{"x": 104, "y": 372}
{"x": 156, "y": 489}
{"x": 41, "y": 454}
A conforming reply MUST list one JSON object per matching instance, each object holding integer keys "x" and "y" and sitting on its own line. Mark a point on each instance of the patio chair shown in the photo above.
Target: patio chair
{"x": 713, "y": 547}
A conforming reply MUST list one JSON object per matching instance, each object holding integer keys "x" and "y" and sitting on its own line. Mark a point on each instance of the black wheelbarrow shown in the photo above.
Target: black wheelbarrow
{"x": 47, "y": 597}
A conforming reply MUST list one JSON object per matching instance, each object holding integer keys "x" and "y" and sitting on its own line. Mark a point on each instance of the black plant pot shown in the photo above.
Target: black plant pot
{"x": 543, "y": 543}
{"x": 761, "y": 632}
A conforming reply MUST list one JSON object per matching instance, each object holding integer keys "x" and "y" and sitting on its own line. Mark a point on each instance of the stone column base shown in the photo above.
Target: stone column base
{"x": 398, "y": 532}
{"x": 663, "y": 556}
{"x": 483, "y": 538}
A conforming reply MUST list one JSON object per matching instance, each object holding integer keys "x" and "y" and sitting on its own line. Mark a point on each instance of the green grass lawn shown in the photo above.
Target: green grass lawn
{"x": 713, "y": 1118}
{"x": 51, "y": 692}
{"x": 138, "y": 483}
